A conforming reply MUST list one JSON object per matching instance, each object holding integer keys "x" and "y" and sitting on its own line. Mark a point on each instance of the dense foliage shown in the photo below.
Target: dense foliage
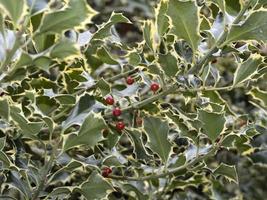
{"x": 133, "y": 99}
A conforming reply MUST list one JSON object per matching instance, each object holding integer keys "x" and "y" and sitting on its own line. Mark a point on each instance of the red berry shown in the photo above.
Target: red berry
{"x": 154, "y": 87}
{"x": 109, "y": 100}
{"x": 120, "y": 126}
{"x": 129, "y": 80}
{"x": 109, "y": 170}
{"x": 105, "y": 174}
{"x": 106, "y": 171}
{"x": 116, "y": 112}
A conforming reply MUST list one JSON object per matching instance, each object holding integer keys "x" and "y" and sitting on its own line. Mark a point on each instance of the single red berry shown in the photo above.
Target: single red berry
{"x": 105, "y": 174}
{"x": 109, "y": 100}
{"x": 120, "y": 126}
{"x": 154, "y": 87}
{"x": 116, "y": 112}
{"x": 109, "y": 170}
{"x": 129, "y": 80}
{"x": 106, "y": 171}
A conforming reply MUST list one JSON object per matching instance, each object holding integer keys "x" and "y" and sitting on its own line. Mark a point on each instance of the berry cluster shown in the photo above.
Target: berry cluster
{"x": 116, "y": 112}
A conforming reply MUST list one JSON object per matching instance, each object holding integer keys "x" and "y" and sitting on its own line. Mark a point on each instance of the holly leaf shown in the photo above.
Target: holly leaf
{"x": 168, "y": 64}
{"x": 104, "y": 30}
{"x": 28, "y": 128}
{"x": 89, "y": 134}
{"x": 259, "y": 95}
{"x": 104, "y": 87}
{"x": 212, "y": 123}
{"x": 103, "y": 54}
{"x": 64, "y": 50}
{"x": 226, "y": 170}
{"x": 148, "y": 34}
{"x": 4, "y": 109}
{"x": 254, "y": 28}
{"x": 162, "y": 20}
{"x": 14, "y": 8}
{"x": 157, "y": 132}
{"x": 95, "y": 187}
{"x": 67, "y": 18}
{"x": 247, "y": 69}
{"x": 180, "y": 13}
{"x": 139, "y": 148}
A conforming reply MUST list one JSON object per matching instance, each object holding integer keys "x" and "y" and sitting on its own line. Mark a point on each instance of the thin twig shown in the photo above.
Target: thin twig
{"x": 220, "y": 42}
{"x": 44, "y": 174}
{"x": 170, "y": 172}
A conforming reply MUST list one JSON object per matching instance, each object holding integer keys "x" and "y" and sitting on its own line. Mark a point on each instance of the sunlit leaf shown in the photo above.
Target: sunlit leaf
{"x": 247, "y": 69}
{"x": 180, "y": 13}
{"x": 14, "y": 8}
{"x": 254, "y": 28}
{"x": 56, "y": 22}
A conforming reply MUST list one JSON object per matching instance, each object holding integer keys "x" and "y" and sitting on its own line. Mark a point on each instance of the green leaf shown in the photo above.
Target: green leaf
{"x": 169, "y": 64}
{"x": 64, "y": 50}
{"x": 27, "y": 128}
{"x": 65, "y": 99}
{"x": 42, "y": 62}
{"x": 50, "y": 123}
{"x": 2, "y": 28}
{"x": 104, "y": 87}
{"x": 233, "y": 7}
{"x": 212, "y": 123}
{"x": 105, "y": 57}
{"x": 247, "y": 69}
{"x": 185, "y": 21}
{"x": 80, "y": 111}
{"x": 254, "y": 28}
{"x": 228, "y": 171}
{"x": 148, "y": 34}
{"x": 260, "y": 95}
{"x": 162, "y": 20}
{"x": 104, "y": 30}
{"x": 14, "y": 8}
{"x": 220, "y": 3}
{"x": 112, "y": 161}
{"x": 96, "y": 187}
{"x": 139, "y": 148}
{"x": 25, "y": 59}
{"x": 4, "y": 109}
{"x": 60, "y": 192}
{"x": 74, "y": 15}
{"x": 89, "y": 134}
{"x": 2, "y": 143}
{"x": 134, "y": 58}
{"x": 5, "y": 159}
{"x": 215, "y": 97}
{"x": 262, "y": 2}
{"x": 157, "y": 132}
{"x": 130, "y": 189}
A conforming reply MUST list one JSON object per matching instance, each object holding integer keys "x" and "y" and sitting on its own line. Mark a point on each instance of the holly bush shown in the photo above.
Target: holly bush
{"x": 161, "y": 102}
